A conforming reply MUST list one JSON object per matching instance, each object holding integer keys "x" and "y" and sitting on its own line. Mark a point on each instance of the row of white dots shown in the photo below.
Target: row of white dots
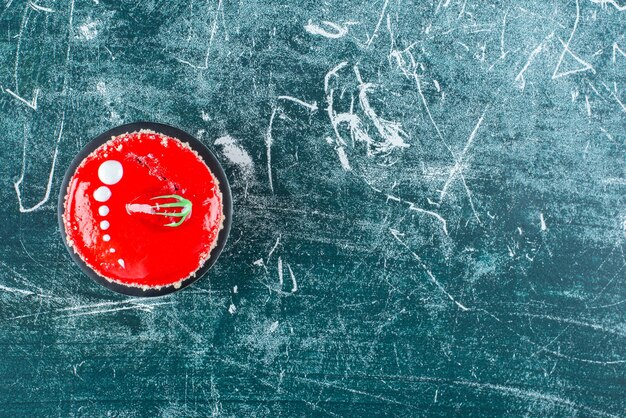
{"x": 110, "y": 172}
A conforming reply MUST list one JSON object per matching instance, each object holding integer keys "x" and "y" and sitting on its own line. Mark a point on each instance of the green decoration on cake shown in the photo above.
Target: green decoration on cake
{"x": 182, "y": 203}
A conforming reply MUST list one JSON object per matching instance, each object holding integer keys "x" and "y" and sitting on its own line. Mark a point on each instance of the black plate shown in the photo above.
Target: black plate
{"x": 210, "y": 161}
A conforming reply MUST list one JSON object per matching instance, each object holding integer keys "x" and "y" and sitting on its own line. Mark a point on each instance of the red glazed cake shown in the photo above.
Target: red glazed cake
{"x": 143, "y": 210}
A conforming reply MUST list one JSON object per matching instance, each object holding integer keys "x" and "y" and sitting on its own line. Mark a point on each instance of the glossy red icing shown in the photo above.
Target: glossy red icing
{"x": 141, "y": 250}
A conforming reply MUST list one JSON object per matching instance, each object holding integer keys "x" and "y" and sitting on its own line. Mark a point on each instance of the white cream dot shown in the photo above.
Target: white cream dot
{"x": 106, "y": 237}
{"x": 110, "y": 172}
{"x": 102, "y": 194}
{"x": 104, "y": 225}
{"x": 103, "y": 210}
{"x": 121, "y": 263}
{"x": 112, "y": 250}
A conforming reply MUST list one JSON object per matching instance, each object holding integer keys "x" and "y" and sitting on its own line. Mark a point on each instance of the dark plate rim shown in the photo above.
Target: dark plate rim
{"x": 209, "y": 159}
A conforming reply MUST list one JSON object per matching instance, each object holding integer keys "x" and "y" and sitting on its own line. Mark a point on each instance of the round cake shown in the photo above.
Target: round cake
{"x": 143, "y": 210}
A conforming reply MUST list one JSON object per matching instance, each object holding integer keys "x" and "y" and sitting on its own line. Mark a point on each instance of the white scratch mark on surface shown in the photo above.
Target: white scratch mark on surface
{"x": 543, "y": 222}
{"x": 390, "y": 131}
{"x": 430, "y": 116}
{"x": 520, "y": 81}
{"x": 232, "y": 309}
{"x": 101, "y": 304}
{"x": 526, "y": 394}
{"x": 440, "y": 4}
{"x": 617, "y": 49}
{"x": 32, "y": 104}
{"x": 343, "y": 158}
{"x": 503, "y": 53}
{"x": 444, "y": 224}
{"x": 46, "y": 196}
{"x": 268, "y": 144}
{"x": 12, "y": 273}
{"x": 16, "y": 291}
{"x": 612, "y": 94}
{"x": 544, "y": 348}
{"x": 471, "y": 200}
{"x": 409, "y": 71}
{"x": 208, "y": 49}
{"x": 462, "y": 9}
{"x": 332, "y": 116}
{"x": 142, "y": 307}
{"x": 89, "y": 309}
{"x": 354, "y": 123}
{"x": 396, "y": 234}
{"x": 70, "y": 32}
{"x": 457, "y": 167}
{"x": 566, "y": 50}
{"x": 76, "y": 367}
{"x": 585, "y": 65}
{"x": 595, "y": 90}
{"x": 110, "y": 53}
{"x": 269, "y": 255}
{"x": 463, "y": 45}
{"x": 414, "y": 207}
{"x": 248, "y": 368}
{"x": 610, "y": 305}
{"x": 40, "y": 8}
{"x": 332, "y": 73}
{"x": 511, "y": 252}
{"x": 280, "y": 272}
{"x": 23, "y": 24}
{"x": 613, "y": 3}
{"x": 294, "y": 284}
{"x": 582, "y": 360}
{"x": 349, "y": 390}
{"x": 337, "y": 30}
{"x": 578, "y": 323}
{"x": 311, "y": 106}
{"x": 380, "y": 19}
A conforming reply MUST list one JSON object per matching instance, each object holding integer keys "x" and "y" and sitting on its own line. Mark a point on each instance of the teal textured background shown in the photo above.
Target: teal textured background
{"x": 429, "y": 208}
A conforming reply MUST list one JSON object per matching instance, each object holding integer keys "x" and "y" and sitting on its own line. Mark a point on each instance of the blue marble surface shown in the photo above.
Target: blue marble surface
{"x": 429, "y": 208}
